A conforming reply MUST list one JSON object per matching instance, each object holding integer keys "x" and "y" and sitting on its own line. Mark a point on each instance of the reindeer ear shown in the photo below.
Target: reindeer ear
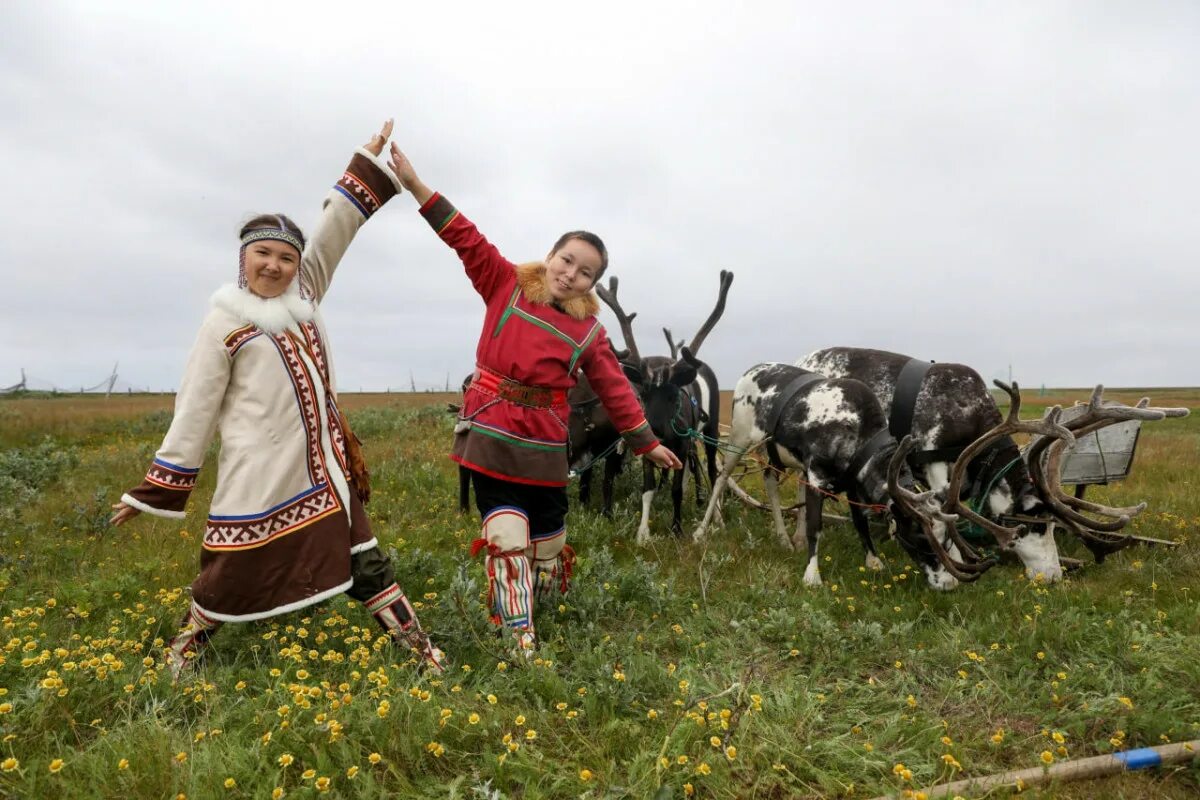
{"x": 632, "y": 373}
{"x": 682, "y": 373}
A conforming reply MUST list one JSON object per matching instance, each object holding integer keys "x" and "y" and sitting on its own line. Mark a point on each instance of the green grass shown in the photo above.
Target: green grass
{"x": 653, "y": 654}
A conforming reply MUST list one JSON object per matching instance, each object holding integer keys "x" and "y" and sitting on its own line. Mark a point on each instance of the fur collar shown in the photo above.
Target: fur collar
{"x": 531, "y": 278}
{"x": 273, "y": 315}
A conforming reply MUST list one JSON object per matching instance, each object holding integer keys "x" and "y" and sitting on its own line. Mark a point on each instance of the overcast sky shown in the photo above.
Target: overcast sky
{"x": 988, "y": 183}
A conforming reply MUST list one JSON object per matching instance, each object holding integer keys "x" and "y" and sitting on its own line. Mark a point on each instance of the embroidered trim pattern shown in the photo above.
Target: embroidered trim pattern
{"x": 306, "y": 398}
{"x": 170, "y": 476}
{"x": 235, "y": 340}
{"x": 359, "y": 195}
{"x": 244, "y": 533}
{"x": 316, "y": 347}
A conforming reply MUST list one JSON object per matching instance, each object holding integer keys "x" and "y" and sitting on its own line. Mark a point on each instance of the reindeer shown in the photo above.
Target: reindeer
{"x": 836, "y": 432}
{"x": 681, "y": 398}
{"x": 954, "y": 420}
{"x": 592, "y": 437}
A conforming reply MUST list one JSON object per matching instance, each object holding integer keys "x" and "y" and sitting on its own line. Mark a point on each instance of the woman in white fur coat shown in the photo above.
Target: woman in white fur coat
{"x": 286, "y": 528}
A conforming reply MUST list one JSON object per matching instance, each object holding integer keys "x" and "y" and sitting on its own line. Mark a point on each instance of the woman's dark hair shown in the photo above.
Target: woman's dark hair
{"x": 590, "y": 238}
{"x": 272, "y": 221}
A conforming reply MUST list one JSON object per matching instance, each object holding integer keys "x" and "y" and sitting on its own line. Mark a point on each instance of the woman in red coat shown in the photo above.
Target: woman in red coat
{"x": 539, "y": 332}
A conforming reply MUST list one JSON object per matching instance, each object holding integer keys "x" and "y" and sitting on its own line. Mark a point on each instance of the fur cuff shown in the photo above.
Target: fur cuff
{"x": 531, "y": 278}
{"x": 158, "y": 512}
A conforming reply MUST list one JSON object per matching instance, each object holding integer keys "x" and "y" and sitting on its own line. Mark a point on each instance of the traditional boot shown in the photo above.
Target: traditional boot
{"x": 505, "y": 543}
{"x": 195, "y": 629}
{"x": 397, "y": 617}
{"x": 552, "y": 576}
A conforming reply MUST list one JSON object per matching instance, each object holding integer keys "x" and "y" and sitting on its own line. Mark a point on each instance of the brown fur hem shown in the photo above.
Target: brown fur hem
{"x": 531, "y": 278}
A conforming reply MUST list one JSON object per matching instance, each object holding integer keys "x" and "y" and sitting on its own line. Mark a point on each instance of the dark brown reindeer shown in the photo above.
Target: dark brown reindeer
{"x": 681, "y": 398}
{"x": 592, "y": 437}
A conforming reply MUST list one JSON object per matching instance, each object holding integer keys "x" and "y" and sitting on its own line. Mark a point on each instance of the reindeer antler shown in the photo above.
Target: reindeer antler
{"x": 924, "y": 509}
{"x": 609, "y": 296}
{"x": 1046, "y": 472}
{"x": 698, "y": 339}
{"x": 1049, "y": 427}
{"x": 671, "y": 343}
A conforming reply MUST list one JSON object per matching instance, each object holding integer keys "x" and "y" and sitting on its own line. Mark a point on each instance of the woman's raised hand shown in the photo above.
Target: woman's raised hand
{"x": 407, "y": 176}
{"x": 375, "y": 146}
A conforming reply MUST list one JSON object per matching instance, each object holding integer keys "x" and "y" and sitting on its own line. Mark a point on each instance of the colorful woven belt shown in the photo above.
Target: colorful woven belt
{"x": 508, "y": 389}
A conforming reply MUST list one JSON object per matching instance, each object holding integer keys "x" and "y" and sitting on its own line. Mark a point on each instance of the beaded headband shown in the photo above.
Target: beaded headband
{"x": 274, "y": 234}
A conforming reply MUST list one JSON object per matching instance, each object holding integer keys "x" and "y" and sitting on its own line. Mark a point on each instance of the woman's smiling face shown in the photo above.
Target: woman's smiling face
{"x": 572, "y": 269}
{"x": 270, "y": 267}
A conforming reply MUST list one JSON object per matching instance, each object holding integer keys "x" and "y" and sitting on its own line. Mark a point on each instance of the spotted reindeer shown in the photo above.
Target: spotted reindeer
{"x": 834, "y": 432}
{"x": 961, "y": 450}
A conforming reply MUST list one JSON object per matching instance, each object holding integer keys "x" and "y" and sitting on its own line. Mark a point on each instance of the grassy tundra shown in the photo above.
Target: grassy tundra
{"x": 668, "y": 672}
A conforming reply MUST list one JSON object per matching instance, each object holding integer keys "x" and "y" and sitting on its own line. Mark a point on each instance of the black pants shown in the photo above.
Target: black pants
{"x": 546, "y": 506}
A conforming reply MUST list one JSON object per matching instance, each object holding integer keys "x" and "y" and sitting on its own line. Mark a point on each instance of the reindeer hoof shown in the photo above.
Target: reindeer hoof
{"x": 873, "y": 562}
{"x": 812, "y": 575}
{"x": 643, "y": 537}
{"x": 700, "y": 535}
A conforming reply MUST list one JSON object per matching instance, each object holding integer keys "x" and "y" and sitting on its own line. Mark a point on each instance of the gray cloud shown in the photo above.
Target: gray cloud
{"x": 993, "y": 184}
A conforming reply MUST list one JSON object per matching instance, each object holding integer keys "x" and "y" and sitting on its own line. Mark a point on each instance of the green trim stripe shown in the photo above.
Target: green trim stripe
{"x": 512, "y": 304}
{"x": 586, "y": 343}
{"x": 446, "y": 222}
{"x": 513, "y": 440}
{"x": 546, "y": 326}
{"x": 645, "y": 424}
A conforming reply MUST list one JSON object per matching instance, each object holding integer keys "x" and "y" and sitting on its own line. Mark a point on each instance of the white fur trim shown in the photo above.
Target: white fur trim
{"x": 158, "y": 512}
{"x": 360, "y": 548}
{"x": 272, "y": 314}
{"x": 382, "y": 166}
{"x": 308, "y": 601}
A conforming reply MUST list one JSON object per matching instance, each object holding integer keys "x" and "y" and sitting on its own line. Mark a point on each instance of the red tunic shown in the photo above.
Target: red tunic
{"x": 536, "y": 344}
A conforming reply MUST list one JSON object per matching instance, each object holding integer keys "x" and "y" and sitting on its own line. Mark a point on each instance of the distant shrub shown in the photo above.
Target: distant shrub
{"x": 26, "y": 470}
